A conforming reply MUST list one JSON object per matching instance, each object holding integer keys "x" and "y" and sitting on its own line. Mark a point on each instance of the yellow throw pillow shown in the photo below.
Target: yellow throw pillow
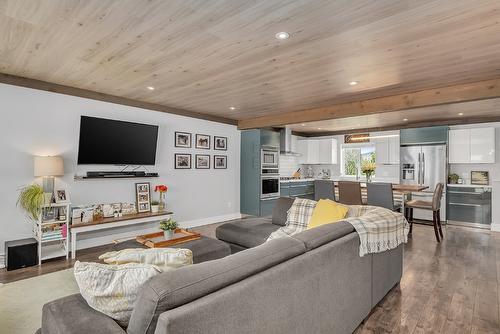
{"x": 326, "y": 212}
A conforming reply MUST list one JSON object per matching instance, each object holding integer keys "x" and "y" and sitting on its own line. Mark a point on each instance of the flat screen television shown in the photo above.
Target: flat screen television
{"x": 111, "y": 142}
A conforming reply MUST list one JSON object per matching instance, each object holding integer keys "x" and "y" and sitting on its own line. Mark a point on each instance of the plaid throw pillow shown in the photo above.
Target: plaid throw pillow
{"x": 298, "y": 217}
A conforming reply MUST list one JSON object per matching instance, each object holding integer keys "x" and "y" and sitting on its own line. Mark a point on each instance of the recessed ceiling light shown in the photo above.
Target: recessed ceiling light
{"x": 319, "y": 128}
{"x": 150, "y": 88}
{"x": 282, "y": 35}
{"x": 460, "y": 114}
{"x": 232, "y": 108}
{"x": 405, "y": 119}
{"x": 353, "y": 83}
{"x": 302, "y": 124}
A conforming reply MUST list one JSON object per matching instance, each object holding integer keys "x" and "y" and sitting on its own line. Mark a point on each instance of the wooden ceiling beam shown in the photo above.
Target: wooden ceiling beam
{"x": 421, "y": 124}
{"x": 430, "y": 97}
{"x": 88, "y": 94}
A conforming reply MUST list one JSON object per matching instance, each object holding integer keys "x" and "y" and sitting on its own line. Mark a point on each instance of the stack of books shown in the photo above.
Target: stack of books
{"x": 52, "y": 235}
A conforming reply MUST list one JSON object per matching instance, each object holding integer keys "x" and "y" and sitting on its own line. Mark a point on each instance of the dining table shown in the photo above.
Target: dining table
{"x": 404, "y": 190}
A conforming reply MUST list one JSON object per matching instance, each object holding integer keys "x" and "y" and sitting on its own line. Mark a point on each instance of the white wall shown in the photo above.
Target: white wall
{"x": 42, "y": 123}
{"x": 463, "y": 170}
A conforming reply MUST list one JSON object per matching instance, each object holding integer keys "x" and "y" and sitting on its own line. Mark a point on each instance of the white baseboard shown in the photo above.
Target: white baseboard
{"x": 94, "y": 241}
{"x": 209, "y": 220}
{"x": 495, "y": 227}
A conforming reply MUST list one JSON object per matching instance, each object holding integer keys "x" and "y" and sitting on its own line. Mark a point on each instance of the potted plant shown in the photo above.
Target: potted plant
{"x": 31, "y": 199}
{"x": 453, "y": 178}
{"x": 368, "y": 168}
{"x": 155, "y": 205}
{"x": 162, "y": 189}
{"x": 168, "y": 227}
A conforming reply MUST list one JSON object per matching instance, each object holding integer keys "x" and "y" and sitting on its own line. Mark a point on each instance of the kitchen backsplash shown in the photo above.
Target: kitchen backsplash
{"x": 288, "y": 165}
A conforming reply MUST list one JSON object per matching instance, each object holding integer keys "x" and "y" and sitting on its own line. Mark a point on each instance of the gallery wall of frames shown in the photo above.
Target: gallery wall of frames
{"x": 202, "y": 142}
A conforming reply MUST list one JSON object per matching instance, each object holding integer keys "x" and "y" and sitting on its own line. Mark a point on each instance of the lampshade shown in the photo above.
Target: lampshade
{"x": 48, "y": 166}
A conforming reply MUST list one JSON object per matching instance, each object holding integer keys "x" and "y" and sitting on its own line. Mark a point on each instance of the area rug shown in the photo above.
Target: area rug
{"x": 21, "y": 302}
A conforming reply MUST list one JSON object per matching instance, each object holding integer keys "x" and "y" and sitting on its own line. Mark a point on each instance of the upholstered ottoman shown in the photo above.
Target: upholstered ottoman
{"x": 204, "y": 249}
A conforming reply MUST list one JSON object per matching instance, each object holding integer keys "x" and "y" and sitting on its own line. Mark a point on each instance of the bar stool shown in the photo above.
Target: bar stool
{"x": 434, "y": 206}
{"x": 350, "y": 193}
{"x": 381, "y": 194}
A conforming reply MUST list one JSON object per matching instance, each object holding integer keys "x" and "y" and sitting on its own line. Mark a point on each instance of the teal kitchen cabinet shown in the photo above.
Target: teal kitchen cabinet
{"x": 302, "y": 189}
{"x": 250, "y": 169}
{"x": 285, "y": 189}
{"x": 267, "y": 206}
{"x": 429, "y": 135}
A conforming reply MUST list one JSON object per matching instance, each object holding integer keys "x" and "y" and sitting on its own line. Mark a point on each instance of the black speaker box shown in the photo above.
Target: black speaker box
{"x": 21, "y": 253}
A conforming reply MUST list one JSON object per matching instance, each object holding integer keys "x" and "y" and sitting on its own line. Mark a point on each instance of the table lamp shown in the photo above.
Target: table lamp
{"x": 48, "y": 167}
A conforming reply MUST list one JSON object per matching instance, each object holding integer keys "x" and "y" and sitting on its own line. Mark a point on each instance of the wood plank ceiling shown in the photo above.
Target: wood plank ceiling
{"x": 208, "y": 56}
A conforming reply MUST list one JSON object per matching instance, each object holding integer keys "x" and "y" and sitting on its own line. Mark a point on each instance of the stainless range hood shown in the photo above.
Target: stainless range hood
{"x": 286, "y": 142}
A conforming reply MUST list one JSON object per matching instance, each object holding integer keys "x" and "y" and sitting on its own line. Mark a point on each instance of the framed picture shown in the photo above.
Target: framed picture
{"x": 183, "y": 139}
{"x": 202, "y": 161}
{"x": 182, "y": 161}
{"x": 143, "y": 197}
{"x": 220, "y": 162}
{"x": 479, "y": 178}
{"x": 61, "y": 196}
{"x": 220, "y": 143}
{"x": 202, "y": 141}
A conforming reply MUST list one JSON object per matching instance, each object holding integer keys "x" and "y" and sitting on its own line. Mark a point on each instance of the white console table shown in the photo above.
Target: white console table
{"x": 106, "y": 223}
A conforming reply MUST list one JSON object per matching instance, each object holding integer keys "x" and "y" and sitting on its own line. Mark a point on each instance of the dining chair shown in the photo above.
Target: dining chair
{"x": 350, "y": 193}
{"x": 381, "y": 194}
{"x": 434, "y": 206}
{"x": 324, "y": 189}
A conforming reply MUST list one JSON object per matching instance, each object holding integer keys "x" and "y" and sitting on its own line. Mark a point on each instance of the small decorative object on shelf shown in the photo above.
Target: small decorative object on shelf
{"x": 162, "y": 190}
{"x": 168, "y": 227}
{"x": 155, "y": 205}
{"x": 453, "y": 178}
{"x": 368, "y": 168}
{"x": 143, "y": 197}
{"x": 61, "y": 196}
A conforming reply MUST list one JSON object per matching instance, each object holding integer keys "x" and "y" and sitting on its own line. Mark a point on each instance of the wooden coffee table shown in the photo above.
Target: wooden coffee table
{"x": 204, "y": 249}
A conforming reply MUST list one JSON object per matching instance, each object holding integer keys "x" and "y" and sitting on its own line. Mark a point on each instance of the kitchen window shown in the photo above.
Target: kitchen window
{"x": 352, "y": 157}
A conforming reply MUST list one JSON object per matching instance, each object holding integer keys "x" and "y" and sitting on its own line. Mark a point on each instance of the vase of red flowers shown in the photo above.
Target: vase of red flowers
{"x": 162, "y": 190}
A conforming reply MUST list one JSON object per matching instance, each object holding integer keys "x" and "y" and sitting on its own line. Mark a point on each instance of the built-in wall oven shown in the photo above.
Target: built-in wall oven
{"x": 269, "y": 172}
{"x": 269, "y": 186}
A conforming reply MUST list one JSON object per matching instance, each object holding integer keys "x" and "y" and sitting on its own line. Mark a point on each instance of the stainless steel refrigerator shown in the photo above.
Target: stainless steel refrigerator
{"x": 425, "y": 165}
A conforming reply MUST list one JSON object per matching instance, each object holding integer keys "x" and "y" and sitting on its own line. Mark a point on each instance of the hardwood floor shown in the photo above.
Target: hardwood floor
{"x": 90, "y": 254}
{"x": 451, "y": 287}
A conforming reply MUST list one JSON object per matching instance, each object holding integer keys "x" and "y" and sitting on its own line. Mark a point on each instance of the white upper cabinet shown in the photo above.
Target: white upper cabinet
{"x": 482, "y": 145}
{"x": 317, "y": 151}
{"x": 476, "y": 145}
{"x": 459, "y": 146}
{"x": 386, "y": 147}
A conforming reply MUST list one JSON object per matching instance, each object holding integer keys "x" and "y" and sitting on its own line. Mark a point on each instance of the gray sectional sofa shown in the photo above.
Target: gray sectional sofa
{"x": 313, "y": 282}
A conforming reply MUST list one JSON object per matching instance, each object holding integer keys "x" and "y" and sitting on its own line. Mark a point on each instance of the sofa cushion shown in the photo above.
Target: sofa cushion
{"x": 175, "y": 288}
{"x": 280, "y": 210}
{"x": 321, "y": 235}
{"x": 327, "y": 212}
{"x": 249, "y": 232}
{"x": 72, "y": 315}
{"x": 297, "y": 219}
{"x": 112, "y": 289}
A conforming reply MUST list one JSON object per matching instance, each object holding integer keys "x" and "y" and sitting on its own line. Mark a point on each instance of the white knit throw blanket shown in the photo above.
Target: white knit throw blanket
{"x": 379, "y": 229}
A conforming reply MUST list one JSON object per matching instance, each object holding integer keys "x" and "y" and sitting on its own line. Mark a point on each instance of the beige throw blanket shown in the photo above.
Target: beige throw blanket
{"x": 379, "y": 229}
